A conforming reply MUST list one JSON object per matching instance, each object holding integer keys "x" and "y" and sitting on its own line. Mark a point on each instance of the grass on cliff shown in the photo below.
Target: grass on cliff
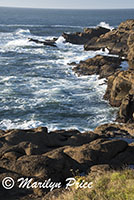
{"x": 117, "y": 185}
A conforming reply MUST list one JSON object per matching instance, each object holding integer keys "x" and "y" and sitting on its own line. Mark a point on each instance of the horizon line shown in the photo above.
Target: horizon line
{"x": 68, "y": 8}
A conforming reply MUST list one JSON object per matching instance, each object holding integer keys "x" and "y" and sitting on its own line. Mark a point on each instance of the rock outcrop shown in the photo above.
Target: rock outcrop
{"x": 46, "y": 42}
{"x": 120, "y": 84}
{"x": 115, "y": 40}
{"x": 130, "y": 44}
{"x": 84, "y": 37}
{"x": 41, "y": 155}
{"x": 104, "y": 66}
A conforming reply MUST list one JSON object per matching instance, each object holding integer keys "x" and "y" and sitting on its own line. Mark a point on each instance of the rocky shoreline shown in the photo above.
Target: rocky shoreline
{"x": 58, "y": 155}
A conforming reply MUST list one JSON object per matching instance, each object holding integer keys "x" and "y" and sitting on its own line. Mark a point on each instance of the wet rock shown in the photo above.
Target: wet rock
{"x": 46, "y": 42}
{"x": 105, "y": 66}
{"x": 83, "y": 37}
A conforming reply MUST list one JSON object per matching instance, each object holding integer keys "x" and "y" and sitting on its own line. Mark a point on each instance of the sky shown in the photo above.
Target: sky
{"x": 69, "y": 4}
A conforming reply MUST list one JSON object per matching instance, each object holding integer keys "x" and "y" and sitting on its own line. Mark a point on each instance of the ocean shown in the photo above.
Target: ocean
{"x": 37, "y": 86}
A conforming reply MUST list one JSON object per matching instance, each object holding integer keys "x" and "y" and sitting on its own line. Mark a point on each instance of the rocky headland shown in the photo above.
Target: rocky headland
{"x": 41, "y": 155}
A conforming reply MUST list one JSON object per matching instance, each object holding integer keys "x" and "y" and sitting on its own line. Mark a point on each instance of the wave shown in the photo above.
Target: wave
{"x": 22, "y": 32}
{"x": 105, "y": 25}
{"x": 19, "y": 42}
{"x": 45, "y": 26}
{"x": 66, "y": 26}
{"x": 7, "y": 124}
{"x": 60, "y": 42}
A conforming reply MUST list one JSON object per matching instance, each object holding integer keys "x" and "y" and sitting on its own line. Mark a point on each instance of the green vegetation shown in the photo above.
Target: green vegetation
{"x": 114, "y": 185}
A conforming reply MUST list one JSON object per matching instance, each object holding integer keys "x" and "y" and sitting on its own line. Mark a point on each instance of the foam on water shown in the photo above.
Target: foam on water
{"x": 60, "y": 42}
{"x": 22, "y": 32}
{"x": 40, "y": 88}
{"x": 18, "y": 42}
{"x": 105, "y": 25}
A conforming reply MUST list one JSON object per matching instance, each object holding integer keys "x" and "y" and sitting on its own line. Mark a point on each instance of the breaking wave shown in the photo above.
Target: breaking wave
{"x": 105, "y": 25}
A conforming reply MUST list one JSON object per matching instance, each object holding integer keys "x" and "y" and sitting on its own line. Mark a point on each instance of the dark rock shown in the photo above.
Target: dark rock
{"x": 83, "y": 37}
{"x": 58, "y": 155}
{"x": 72, "y": 63}
{"x": 126, "y": 111}
{"x": 125, "y": 157}
{"x": 105, "y": 66}
{"x": 54, "y": 194}
{"x": 46, "y": 42}
{"x": 97, "y": 152}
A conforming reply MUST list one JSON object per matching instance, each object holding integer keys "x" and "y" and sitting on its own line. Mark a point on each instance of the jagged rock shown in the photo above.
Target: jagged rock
{"x": 115, "y": 40}
{"x": 126, "y": 111}
{"x": 103, "y": 65}
{"x": 130, "y": 43}
{"x": 83, "y": 37}
{"x": 119, "y": 85}
{"x": 46, "y": 42}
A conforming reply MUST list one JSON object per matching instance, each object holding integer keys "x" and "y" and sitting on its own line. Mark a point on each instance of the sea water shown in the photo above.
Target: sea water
{"x": 37, "y": 86}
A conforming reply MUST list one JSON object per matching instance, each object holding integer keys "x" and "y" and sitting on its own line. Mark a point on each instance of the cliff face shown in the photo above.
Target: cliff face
{"x": 120, "y": 84}
{"x": 130, "y": 44}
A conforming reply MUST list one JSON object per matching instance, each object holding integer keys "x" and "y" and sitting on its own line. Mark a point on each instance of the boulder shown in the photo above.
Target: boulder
{"x": 39, "y": 141}
{"x": 97, "y": 152}
{"x": 57, "y": 155}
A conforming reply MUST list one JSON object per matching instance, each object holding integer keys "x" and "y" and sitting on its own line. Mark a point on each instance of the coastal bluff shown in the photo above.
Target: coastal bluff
{"x": 40, "y": 154}
{"x": 120, "y": 83}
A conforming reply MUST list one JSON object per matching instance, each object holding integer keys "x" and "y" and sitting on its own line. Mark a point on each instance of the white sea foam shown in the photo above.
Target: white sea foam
{"x": 42, "y": 89}
{"x": 105, "y": 25}
{"x": 22, "y": 32}
{"x": 18, "y": 42}
{"x": 6, "y": 123}
{"x": 60, "y": 42}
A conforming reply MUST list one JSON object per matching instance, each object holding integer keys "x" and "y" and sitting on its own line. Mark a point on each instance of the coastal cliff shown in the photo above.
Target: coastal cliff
{"x": 41, "y": 155}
